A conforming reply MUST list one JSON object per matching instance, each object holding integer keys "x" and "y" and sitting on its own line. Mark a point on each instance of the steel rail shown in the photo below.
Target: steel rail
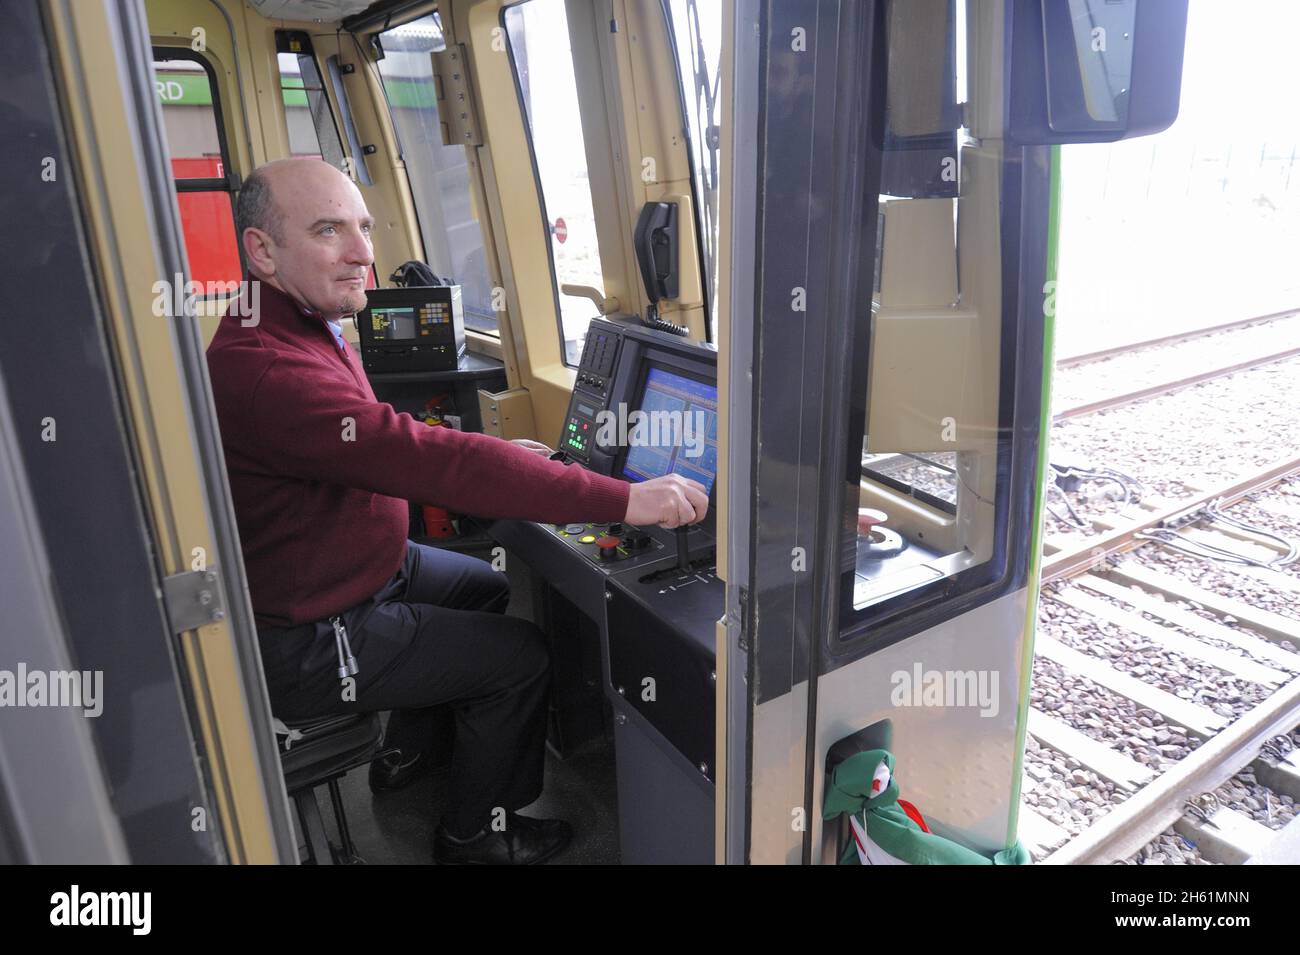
{"x": 1088, "y": 358}
{"x": 1158, "y": 804}
{"x": 1118, "y": 401}
{"x": 1096, "y": 550}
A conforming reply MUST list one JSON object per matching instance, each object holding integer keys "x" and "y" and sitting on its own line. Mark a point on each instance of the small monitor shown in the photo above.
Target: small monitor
{"x": 677, "y": 429}
{"x": 412, "y": 329}
{"x": 393, "y": 323}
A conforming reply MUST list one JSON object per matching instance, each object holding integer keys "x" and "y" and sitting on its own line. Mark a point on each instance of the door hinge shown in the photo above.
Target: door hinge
{"x": 193, "y": 599}
{"x": 738, "y": 616}
{"x": 460, "y": 126}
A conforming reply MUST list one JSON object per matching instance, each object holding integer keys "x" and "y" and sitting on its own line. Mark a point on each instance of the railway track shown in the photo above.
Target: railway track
{"x": 1264, "y": 356}
{"x": 1103, "y": 577}
{"x": 1074, "y": 361}
{"x": 1106, "y": 576}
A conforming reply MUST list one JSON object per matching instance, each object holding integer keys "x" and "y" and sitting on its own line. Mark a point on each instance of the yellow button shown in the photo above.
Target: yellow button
{"x": 588, "y": 538}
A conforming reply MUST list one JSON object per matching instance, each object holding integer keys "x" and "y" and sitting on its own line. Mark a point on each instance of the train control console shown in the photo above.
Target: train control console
{"x": 644, "y": 404}
{"x": 646, "y": 600}
{"x": 608, "y": 544}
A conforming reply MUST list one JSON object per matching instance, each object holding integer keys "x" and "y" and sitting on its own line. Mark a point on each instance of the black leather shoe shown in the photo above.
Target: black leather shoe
{"x": 525, "y": 841}
{"x": 398, "y": 770}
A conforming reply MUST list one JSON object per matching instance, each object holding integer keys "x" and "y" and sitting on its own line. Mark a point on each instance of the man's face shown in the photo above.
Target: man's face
{"x": 325, "y": 250}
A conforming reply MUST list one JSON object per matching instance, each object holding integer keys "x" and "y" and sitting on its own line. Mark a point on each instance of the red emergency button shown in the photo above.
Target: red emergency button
{"x": 608, "y": 547}
{"x": 868, "y": 518}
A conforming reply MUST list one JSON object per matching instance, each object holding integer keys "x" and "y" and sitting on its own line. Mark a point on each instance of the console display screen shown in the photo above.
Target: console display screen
{"x": 404, "y": 323}
{"x": 393, "y": 324}
{"x": 676, "y": 431}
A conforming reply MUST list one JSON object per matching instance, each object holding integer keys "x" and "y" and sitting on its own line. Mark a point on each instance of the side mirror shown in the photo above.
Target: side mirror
{"x": 1094, "y": 71}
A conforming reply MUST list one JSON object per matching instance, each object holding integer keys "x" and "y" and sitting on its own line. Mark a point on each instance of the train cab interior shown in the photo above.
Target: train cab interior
{"x": 805, "y": 244}
{"x": 617, "y": 113}
{"x": 557, "y": 164}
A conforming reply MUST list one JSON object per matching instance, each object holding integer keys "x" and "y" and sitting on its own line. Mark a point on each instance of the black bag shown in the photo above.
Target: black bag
{"x": 416, "y": 274}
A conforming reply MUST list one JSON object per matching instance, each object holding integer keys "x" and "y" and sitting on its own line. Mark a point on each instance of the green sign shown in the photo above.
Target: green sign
{"x": 183, "y": 89}
{"x": 192, "y": 89}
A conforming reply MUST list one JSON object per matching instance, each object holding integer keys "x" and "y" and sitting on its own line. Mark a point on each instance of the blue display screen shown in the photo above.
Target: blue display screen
{"x": 677, "y": 432}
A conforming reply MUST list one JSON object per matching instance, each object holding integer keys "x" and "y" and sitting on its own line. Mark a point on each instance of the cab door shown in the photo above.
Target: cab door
{"x": 126, "y": 493}
{"x": 888, "y": 348}
{"x": 886, "y": 343}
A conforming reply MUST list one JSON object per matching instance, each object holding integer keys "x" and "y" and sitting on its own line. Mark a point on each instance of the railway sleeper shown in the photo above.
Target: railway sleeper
{"x": 1225, "y": 835}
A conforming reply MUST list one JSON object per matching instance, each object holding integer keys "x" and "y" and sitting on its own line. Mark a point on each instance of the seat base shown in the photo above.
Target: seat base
{"x": 319, "y": 754}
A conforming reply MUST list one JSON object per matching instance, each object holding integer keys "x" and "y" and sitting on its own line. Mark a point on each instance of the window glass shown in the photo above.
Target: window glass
{"x": 538, "y": 32}
{"x": 931, "y": 478}
{"x": 439, "y": 174}
{"x": 189, "y": 120}
{"x": 312, "y": 132}
{"x": 697, "y": 34}
{"x": 937, "y": 450}
{"x": 191, "y": 124}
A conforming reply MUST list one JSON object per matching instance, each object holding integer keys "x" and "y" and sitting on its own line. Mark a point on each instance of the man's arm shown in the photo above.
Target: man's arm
{"x": 339, "y": 435}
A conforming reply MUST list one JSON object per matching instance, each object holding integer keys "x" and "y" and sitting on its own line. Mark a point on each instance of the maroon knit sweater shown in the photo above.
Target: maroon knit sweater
{"x": 320, "y": 471}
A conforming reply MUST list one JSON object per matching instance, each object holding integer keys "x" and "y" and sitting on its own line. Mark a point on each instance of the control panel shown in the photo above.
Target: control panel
{"x": 606, "y": 544}
{"x": 597, "y": 364}
{"x": 412, "y": 329}
{"x": 591, "y": 390}
{"x": 579, "y": 430}
{"x": 652, "y": 593}
{"x": 616, "y": 547}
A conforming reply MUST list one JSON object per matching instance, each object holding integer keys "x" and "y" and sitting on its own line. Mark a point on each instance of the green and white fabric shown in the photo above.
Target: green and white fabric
{"x": 889, "y": 831}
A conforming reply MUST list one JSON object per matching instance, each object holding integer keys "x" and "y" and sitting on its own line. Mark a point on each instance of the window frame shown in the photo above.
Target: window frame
{"x": 375, "y": 39}
{"x": 353, "y": 148}
{"x": 707, "y": 278}
{"x": 1020, "y": 392}
{"x": 1020, "y": 395}
{"x": 231, "y": 183}
{"x": 283, "y": 40}
{"x": 537, "y": 180}
{"x": 928, "y": 498}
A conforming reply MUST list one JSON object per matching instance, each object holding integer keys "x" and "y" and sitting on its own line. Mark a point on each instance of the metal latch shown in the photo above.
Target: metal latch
{"x": 737, "y": 618}
{"x": 193, "y": 599}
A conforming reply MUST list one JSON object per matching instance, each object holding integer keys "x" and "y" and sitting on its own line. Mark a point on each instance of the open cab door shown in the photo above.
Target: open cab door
{"x": 886, "y": 351}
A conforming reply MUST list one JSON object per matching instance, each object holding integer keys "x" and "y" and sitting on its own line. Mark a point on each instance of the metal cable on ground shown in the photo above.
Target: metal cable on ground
{"x": 1292, "y": 550}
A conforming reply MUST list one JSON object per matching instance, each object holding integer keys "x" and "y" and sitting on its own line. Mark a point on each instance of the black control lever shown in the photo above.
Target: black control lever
{"x": 683, "y": 551}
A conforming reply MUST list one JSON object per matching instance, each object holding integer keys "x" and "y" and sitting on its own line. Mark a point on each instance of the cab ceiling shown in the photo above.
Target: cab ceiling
{"x": 326, "y": 11}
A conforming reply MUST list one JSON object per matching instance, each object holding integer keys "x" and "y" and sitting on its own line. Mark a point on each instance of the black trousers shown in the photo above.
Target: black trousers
{"x": 435, "y": 634}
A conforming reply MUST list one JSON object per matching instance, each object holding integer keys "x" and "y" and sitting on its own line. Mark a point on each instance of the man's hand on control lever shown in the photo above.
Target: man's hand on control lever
{"x": 669, "y": 501}
{"x": 528, "y": 444}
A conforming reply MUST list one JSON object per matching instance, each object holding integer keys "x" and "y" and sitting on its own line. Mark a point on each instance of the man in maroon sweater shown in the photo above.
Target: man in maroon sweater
{"x": 320, "y": 473}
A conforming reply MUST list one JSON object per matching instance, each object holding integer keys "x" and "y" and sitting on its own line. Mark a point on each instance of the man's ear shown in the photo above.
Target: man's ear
{"x": 257, "y": 251}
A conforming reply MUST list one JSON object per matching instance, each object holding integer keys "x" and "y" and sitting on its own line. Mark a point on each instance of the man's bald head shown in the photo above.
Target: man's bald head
{"x": 257, "y": 207}
{"x": 305, "y": 229}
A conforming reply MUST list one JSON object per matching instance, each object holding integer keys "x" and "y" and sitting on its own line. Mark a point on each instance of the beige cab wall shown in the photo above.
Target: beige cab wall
{"x": 624, "y": 75}
{"x": 124, "y": 247}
